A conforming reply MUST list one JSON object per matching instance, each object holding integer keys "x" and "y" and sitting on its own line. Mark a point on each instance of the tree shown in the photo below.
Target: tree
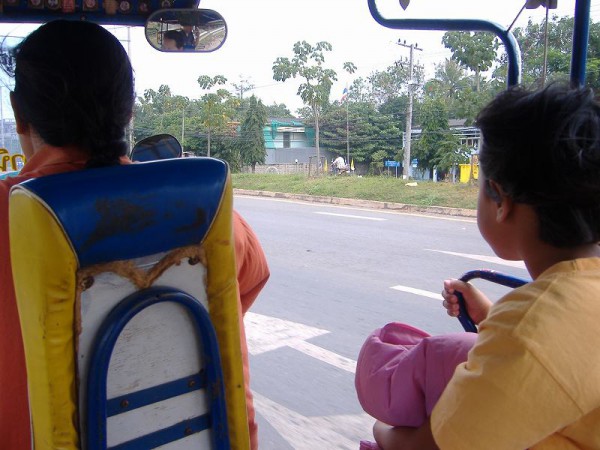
{"x": 307, "y": 63}
{"x": 436, "y": 139}
{"x": 474, "y": 50}
{"x": 252, "y": 136}
{"x": 278, "y": 110}
{"x": 450, "y": 79}
{"x": 531, "y": 39}
{"x": 217, "y": 109}
{"x": 377, "y": 160}
{"x": 159, "y": 112}
{"x": 455, "y": 86}
{"x": 359, "y": 91}
{"x": 393, "y": 82}
{"x": 370, "y": 131}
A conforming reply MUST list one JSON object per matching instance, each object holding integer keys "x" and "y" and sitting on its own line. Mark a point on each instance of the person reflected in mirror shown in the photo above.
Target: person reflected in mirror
{"x": 189, "y": 36}
{"x": 532, "y": 377}
{"x": 172, "y": 41}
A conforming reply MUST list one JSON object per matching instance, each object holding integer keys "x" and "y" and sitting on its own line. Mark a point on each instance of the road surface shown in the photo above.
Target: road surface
{"x": 337, "y": 273}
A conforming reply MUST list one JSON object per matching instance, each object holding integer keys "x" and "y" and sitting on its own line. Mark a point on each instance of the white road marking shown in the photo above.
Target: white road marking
{"x": 327, "y": 356}
{"x": 310, "y": 433}
{"x": 484, "y": 258}
{"x": 421, "y": 292}
{"x": 265, "y": 333}
{"x": 351, "y": 216}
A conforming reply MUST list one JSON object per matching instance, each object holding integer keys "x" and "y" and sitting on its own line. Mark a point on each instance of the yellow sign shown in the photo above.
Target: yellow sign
{"x": 8, "y": 162}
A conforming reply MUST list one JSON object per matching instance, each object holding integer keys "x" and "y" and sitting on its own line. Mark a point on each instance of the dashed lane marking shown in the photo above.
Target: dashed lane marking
{"x": 421, "y": 292}
{"x": 484, "y": 258}
{"x": 350, "y": 216}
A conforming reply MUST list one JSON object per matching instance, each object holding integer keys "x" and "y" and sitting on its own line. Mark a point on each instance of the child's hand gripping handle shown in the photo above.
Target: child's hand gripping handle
{"x": 489, "y": 275}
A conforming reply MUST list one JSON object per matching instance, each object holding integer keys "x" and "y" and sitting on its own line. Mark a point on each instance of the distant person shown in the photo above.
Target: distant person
{"x": 338, "y": 164}
{"x": 532, "y": 378}
{"x": 172, "y": 41}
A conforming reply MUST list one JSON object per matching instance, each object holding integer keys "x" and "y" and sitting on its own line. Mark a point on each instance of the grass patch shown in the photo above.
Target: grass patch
{"x": 385, "y": 189}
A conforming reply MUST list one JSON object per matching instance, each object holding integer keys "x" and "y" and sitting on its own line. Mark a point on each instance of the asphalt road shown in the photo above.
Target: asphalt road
{"x": 337, "y": 273}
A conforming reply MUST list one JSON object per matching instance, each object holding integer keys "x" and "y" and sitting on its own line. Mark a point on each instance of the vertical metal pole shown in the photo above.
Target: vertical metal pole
{"x": 545, "y": 48}
{"x": 581, "y": 30}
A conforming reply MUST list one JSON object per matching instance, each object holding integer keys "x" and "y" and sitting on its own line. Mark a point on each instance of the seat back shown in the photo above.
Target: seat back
{"x": 126, "y": 288}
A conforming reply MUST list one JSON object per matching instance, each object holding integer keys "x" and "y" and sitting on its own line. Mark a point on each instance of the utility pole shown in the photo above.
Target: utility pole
{"x": 347, "y": 136}
{"x": 407, "y": 134}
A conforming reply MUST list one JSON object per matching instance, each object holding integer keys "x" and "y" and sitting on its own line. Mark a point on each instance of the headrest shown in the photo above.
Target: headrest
{"x": 130, "y": 211}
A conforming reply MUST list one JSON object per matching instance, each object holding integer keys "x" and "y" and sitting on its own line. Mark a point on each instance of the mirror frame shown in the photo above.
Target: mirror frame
{"x": 154, "y": 30}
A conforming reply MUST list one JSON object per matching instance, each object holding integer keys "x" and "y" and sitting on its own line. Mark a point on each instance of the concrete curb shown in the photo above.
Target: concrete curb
{"x": 371, "y": 204}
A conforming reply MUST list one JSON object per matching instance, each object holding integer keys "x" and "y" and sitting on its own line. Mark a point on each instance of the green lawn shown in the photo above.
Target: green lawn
{"x": 386, "y": 189}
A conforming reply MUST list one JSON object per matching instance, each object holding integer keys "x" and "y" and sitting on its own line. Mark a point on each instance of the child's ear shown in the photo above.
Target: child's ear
{"x": 504, "y": 203}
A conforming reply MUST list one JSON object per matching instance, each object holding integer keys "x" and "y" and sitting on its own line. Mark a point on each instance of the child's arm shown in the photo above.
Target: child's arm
{"x": 478, "y": 305}
{"x": 404, "y": 438}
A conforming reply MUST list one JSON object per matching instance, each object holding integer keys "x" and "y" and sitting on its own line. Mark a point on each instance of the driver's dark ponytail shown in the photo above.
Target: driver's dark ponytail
{"x": 74, "y": 85}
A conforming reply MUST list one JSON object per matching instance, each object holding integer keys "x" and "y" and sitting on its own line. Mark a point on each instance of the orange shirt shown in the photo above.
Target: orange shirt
{"x": 15, "y": 433}
{"x": 252, "y": 274}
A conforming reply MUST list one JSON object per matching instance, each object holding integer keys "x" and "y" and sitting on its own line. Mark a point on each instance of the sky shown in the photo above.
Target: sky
{"x": 259, "y": 31}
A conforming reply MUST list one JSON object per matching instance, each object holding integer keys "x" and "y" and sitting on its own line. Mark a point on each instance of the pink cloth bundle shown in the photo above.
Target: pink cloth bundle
{"x": 402, "y": 371}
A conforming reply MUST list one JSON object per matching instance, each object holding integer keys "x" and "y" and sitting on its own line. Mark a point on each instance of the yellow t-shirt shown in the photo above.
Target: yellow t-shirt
{"x": 532, "y": 380}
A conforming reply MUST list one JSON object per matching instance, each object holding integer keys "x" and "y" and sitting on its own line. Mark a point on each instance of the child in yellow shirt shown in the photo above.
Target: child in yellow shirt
{"x": 532, "y": 379}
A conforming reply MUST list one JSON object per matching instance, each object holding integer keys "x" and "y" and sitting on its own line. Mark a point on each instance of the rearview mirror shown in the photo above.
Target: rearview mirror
{"x": 186, "y": 30}
{"x": 155, "y": 148}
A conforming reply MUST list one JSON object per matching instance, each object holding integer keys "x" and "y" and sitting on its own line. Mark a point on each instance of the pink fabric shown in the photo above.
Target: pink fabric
{"x": 368, "y": 445}
{"x": 402, "y": 371}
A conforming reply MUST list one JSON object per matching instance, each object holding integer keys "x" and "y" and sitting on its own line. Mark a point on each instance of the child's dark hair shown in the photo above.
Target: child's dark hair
{"x": 175, "y": 35}
{"x": 543, "y": 148}
{"x": 74, "y": 85}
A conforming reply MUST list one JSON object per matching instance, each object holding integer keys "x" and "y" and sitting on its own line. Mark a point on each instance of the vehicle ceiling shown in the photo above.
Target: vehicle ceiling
{"x": 106, "y": 12}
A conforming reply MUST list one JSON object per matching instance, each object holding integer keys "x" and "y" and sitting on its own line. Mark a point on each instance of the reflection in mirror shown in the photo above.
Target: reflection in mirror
{"x": 7, "y": 62}
{"x": 186, "y": 30}
{"x": 154, "y": 148}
